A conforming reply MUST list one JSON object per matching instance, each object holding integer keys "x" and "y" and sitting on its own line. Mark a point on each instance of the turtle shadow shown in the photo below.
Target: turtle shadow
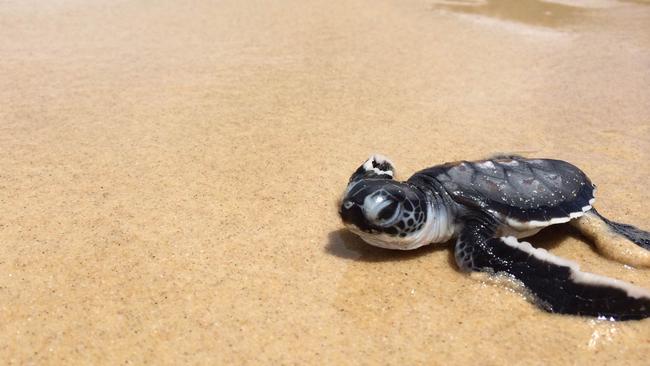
{"x": 344, "y": 244}
{"x": 551, "y": 237}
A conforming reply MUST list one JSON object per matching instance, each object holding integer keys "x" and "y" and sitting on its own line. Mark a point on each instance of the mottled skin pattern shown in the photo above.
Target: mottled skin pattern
{"x": 487, "y": 205}
{"x": 410, "y": 218}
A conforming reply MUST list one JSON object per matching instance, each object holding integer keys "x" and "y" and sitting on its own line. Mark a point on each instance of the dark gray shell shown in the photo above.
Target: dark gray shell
{"x": 514, "y": 187}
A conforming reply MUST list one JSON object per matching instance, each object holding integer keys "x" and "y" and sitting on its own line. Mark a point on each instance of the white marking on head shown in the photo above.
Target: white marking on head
{"x": 379, "y": 159}
{"x": 576, "y": 274}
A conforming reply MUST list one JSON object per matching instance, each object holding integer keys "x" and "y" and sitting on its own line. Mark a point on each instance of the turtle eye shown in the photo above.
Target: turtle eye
{"x": 389, "y": 214}
{"x": 381, "y": 210}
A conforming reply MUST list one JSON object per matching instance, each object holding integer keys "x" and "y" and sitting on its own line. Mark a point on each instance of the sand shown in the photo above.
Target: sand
{"x": 169, "y": 173}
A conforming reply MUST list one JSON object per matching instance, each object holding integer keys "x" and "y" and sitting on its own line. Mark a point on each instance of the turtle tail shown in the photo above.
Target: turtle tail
{"x": 621, "y": 242}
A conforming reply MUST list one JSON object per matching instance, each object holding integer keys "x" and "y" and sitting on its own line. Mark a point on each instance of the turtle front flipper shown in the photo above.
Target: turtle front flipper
{"x": 620, "y": 242}
{"x": 557, "y": 285}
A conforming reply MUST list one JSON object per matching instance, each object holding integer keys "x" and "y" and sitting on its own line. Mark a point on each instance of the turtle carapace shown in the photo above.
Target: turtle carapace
{"x": 487, "y": 206}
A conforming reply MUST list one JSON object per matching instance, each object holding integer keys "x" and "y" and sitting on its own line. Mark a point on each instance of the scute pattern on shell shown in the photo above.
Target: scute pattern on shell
{"x": 516, "y": 188}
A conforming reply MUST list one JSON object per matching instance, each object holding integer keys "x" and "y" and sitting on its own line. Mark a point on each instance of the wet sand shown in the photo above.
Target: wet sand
{"x": 169, "y": 175}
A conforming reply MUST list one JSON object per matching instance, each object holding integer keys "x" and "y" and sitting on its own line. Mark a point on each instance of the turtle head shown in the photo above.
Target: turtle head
{"x": 382, "y": 211}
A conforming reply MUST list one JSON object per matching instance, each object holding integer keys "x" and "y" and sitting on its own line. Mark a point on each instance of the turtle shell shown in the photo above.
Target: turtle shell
{"x": 523, "y": 192}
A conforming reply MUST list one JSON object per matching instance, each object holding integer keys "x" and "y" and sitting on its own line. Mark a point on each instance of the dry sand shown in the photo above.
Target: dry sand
{"x": 169, "y": 173}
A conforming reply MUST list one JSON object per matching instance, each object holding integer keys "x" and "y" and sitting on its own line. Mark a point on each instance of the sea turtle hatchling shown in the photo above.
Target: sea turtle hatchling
{"x": 487, "y": 206}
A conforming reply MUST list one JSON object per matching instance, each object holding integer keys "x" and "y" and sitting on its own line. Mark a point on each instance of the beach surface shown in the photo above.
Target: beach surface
{"x": 170, "y": 174}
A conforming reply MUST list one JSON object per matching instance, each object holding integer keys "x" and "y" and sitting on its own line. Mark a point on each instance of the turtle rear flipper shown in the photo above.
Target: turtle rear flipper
{"x": 557, "y": 285}
{"x": 620, "y": 242}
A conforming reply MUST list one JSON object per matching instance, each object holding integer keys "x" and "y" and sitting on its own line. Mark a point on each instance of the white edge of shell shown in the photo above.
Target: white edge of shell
{"x": 556, "y": 220}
